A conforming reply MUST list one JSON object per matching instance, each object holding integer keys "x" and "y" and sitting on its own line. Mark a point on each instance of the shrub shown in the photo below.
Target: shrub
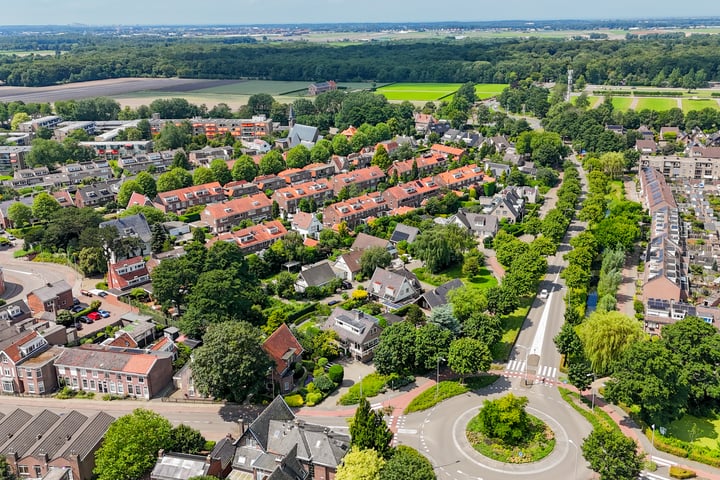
{"x": 294, "y": 400}
{"x": 679, "y": 472}
{"x": 322, "y": 361}
{"x": 336, "y": 373}
{"x": 209, "y": 445}
{"x": 95, "y": 304}
{"x": 312, "y": 399}
{"x": 324, "y": 384}
{"x": 101, "y": 285}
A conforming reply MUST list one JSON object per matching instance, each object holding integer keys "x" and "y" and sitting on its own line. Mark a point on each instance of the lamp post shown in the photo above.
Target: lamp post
{"x": 437, "y": 376}
{"x": 577, "y": 451}
{"x": 592, "y": 387}
{"x": 652, "y": 442}
{"x": 361, "y": 392}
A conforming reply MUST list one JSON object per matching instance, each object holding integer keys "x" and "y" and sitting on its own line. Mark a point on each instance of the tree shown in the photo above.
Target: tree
{"x": 184, "y": 439}
{"x": 19, "y": 214}
{"x": 174, "y": 179}
{"x": 180, "y": 160}
{"x": 5, "y": 471}
{"x": 65, "y": 318}
{"x": 92, "y": 260}
{"x": 381, "y": 158}
{"x": 505, "y": 419}
{"x": 373, "y": 258}
{"x": 159, "y": 237}
{"x": 605, "y": 336}
{"x": 431, "y": 343}
{"x": 220, "y": 171}
{"x": 231, "y": 363}
{"x": 244, "y": 169}
{"x": 360, "y": 464}
{"x": 443, "y": 317}
{"x": 151, "y": 214}
{"x": 126, "y": 190}
{"x": 129, "y": 449}
{"x": 203, "y": 175}
{"x": 297, "y": 157}
{"x": 17, "y": 119}
{"x": 415, "y": 314}
{"x": 272, "y": 163}
{"x": 407, "y": 463}
{"x": 147, "y": 184}
{"x": 441, "y": 246}
{"x": 613, "y": 455}
{"x": 260, "y": 104}
{"x": 368, "y": 430}
{"x": 44, "y": 206}
{"x": 468, "y": 356}
{"x": 341, "y": 145}
{"x": 396, "y": 351}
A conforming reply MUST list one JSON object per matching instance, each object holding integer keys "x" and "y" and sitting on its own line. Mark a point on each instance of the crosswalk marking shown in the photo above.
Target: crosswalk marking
{"x": 663, "y": 462}
{"x": 518, "y": 367}
{"x": 376, "y": 406}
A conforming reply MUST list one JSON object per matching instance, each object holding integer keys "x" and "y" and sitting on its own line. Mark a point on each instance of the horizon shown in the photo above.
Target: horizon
{"x": 288, "y": 12}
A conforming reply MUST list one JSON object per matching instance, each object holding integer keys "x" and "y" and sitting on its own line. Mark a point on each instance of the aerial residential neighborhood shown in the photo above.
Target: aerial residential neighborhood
{"x": 359, "y": 251}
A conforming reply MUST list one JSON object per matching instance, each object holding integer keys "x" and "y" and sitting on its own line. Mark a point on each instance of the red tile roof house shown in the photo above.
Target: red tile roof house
{"x": 463, "y": 177}
{"x": 127, "y": 274}
{"x": 363, "y": 178}
{"x": 139, "y": 199}
{"x": 103, "y": 370}
{"x": 27, "y": 365}
{"x": 411, "y": 194}
{"x": 51, "y": 298}
{"x": 285, "y": 350}
{"x": 295, "y": 175}
{"x": 447, "y": 151}
{"x": 64, "y": 198}
{"x": 426, "y": 164}
{"x": 257, "y": 237}
{"x": 288, "y": 198}
{"x": 320, "y": 170}
{"x": 179, "y": 200}
{"x": 423, "y": 122}
{"x": 356, "y": 210}
{"x": 221, "y": 217}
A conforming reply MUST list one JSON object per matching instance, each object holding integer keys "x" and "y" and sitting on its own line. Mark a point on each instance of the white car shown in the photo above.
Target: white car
{"x": 544, "y": 293}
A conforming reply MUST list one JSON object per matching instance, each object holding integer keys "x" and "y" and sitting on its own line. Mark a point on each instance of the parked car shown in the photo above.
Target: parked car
{"x": 78, "y": 326}
{"x": 333, "y": 302}
{"x": 98, "y": 292}
{"x": 11, "y": 238}
{"x": 86, "y": 293}
{"x": 94, "y": 316}
{"x": 77, "y": 308}
{"x": 75, "y": 301}
{"x": 104, "y": 313}
{"x": 85, "y": 319}
{"x": 346, "y": 285}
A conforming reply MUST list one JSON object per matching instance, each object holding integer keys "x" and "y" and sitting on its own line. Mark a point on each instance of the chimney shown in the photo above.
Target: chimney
{"x": 161, "y": 453}
{"x": 241, "y": 426}
{"x": 208, "y": 460}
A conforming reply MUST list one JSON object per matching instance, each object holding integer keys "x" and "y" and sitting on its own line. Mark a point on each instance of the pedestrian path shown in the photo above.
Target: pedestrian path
{"x": 518, "y": 368}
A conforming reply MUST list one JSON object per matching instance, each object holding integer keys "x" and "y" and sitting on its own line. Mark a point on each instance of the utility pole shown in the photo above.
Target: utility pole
{"x": 569, "y": 85}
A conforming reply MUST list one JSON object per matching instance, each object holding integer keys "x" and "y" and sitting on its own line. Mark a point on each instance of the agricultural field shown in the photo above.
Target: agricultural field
{"x": 656, "y": 103}
{"x": 699, "y": 104}
{"x": 419, "y": 92}
{"x": 489, "y": 90}
{"x": 621, "y": 103}
{"x": 275, "y": 88}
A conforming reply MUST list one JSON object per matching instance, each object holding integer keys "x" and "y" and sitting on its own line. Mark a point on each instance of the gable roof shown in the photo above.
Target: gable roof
{"x": 437, "y": 297}
{"x": 88, "y": 437}
{"x": 303, "y": 220}
{"x": 276, "y": 410}
{"x": 355, "y": 326}
{"x": 352, "y": 260}
{"x": 364, "y": 241}
{"x": 281, "y": 346}
{"x": 26, "y": 437}
{"x": 13, "y": 351}
{"x": 404, "y": 232}
{"x": 318, "y": 274}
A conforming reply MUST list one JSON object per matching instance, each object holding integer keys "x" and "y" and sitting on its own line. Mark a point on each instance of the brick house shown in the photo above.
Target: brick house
{"x": 441, "y": 149}
{"x": 285, "y": 350}
{"x": 462, "y": 177}
{"x": 221, "y": 217}
{"x": 257, "y": 237}
{"x": 103, "y": 370}
{"x": 355, "y": 210}
{"x": 289, "y": 197}
{"x": 27, "y": 364}
{"x": 358, "y": 332}
{"x": 240, "y": 188}
{"x": 321, "y": 87}
{"x": 295, "y": 175}
{"x": 363, "y": 179}
{"x": 38, "y": 446}
{"x": 51, "y": 298}
{"x": 127, "y": 274}
{"x": 269, "y": 182}
{"x": 179, "y": 200}
{"x": 96, "y": 195}
{"x": 320, "y": 170}
{"x": 411, "y": 194}
{"x": 174, "y": 466}
{"x": 426, "y": 165}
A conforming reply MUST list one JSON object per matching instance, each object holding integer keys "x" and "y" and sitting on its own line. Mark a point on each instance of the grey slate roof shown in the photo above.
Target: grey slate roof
{"x": 133, "y": 225}
{"x": 302, "y": 134}
{"x": 289, "y": 468}
{"x": 51, "y": 290}
{"x": 12, "y": 424}
{"x": 318, "y": 275}
{"x": 224, "y": 451}
{"x": 276, "y": 410}
{"x": 88, "y": 437}
{"x": 364, "y": 241}
{"x": 404, "y": 232}
{"x": 55, "y": 439}
{"x": 438, "y": 297}
{"x": 26, "y": 437}
{"x": 477, "y": 222}
{"x": 355, "y": 326}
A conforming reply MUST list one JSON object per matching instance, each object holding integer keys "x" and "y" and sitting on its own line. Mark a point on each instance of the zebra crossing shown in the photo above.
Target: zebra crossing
{"x": 517, "y": 368}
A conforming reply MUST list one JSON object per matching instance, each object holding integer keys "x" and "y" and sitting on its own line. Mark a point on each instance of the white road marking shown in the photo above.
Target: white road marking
{"x": 407, "y": 431}
{"x": 537, "y": 344}
{"x": 18, "y": 271}
{"x": 663, "y": 461}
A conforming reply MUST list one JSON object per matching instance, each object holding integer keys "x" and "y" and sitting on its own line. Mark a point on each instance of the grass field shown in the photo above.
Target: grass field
{"x": 695, "y": 430}
{"x": 418, "y": 91}
{"x": 489, "y": 90}
{"x": 656, "y": 103}
{"x": 698, "y": 104}
{"x": 511, "y": 328}
{"x": 251, "y": 87}
{"x": 621, "y": 103}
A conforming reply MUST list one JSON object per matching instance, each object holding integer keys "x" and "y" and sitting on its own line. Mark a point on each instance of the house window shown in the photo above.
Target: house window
{"x": 95, "y": 374}
{"x": 121, "y": 389}
{"x": 7, "y": 372}
{"x": 7, "y": 387}
{"x": 23, "y": 470}
{"x": 73, "y": 371}
{"x": 61, "y": 370}
{"x": 41, "y": 387}
{"x": 38, "y": 471}
{"x": 141, "y": 379}
{"x": 74, "y": 382}
{"x": 129, "y": 378}
{"x": 38, "y": 373}
{"x": 84, "y": 383}
{"x": 137, "y": 390}
{"x": 83, "y": 372}
{"x": 92, "y": 384}
{"x": 20, "y": 373}
{"x": 31, "y": 388}
{"x": 112, "y": 387}
{"x": 28, "y": 373}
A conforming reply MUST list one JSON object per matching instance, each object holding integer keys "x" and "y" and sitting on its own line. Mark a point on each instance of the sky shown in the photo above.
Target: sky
{"x": 173, "y": 12}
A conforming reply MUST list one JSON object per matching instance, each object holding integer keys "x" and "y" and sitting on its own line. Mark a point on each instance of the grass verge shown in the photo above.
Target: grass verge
{"x": 447, "y": 389}
{"x": 372, "y": 385}
{"x": 598, "y": 418}
{"x": 511, "y": 328}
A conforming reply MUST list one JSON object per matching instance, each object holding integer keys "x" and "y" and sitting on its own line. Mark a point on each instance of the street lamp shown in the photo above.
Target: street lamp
{"x": 653, "y": 438}
{"x": 577, "y": 451}
{"x": 592, "y": 387}
{"x": 361, "y": 392}
{"x": 437, "y": 377}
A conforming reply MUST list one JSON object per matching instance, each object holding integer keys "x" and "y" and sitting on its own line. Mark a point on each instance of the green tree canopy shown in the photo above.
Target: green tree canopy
{"x": 373, "y": 258}
{"x": 19, "y": 214}
{"x": 360, "y": 464}
{"x": 244, "y": 169}
{"x": 606, "y": 336}
{"x": 231, "y": 363}
{"x": 407, "y": 463}
{"x": 613, "y": 455}
{"x": 44, "y": 206}
{"x": 130, "y": 447}
{"x": 185, "y": 439}
{"x": 220, "y": 171}
{"x": 468, "y": 356}
{"x": 203, "y": 175}
{"x": 505, "y": 419}
{"x": 368, "y": 430}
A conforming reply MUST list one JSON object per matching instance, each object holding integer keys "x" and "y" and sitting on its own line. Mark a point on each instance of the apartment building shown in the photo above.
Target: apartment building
{"x": 691, "y": 168}
{"x": 356, "y": 210}
{"x": 222, "y": 217}
{"x": 177, "y": 201}
{"x": 96, "y": 195}
{"x": 289, "y": 197}
{"x": 363, "y": 179}
{"x": 159, "y": 161}
{"x": 426, "y": 165}
{"x": 13, "y": 157}
{"x": 257, "y": 237}
{"x": 463, "y": 177}
{"x": 411, "y": 194}
{"x": 115, "y": 150}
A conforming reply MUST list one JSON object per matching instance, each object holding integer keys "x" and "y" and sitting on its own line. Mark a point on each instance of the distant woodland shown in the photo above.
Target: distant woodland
{"x": 662, "y": 60}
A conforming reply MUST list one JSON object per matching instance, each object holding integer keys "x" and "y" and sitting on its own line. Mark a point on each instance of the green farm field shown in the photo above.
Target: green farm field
{"x": 621, "y": 103}
{"x": 656, "y": 103}
{"x": 418, "y": 91}
{"x": 251, "y": 87}
{"x": 489, "y": 90}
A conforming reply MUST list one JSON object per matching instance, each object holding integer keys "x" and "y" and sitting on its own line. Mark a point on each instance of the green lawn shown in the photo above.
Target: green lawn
{"x": 622, "y": 103}
{"x": 489, "y": 90}
{"x": 483, "y": 281}
{"x": 656, "y": 103}
{"x": 273, "y": 87}
{"x": 511, "y": 328}
{"x": 372, "y": 385}
{"x": 698, "y": 104}
{"x": 697, "y": 431}
{"x": 447, "y": 389}
{"x": 418, "y": 91}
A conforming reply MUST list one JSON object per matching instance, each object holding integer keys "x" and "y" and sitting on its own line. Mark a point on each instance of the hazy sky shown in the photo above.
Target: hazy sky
{"x": 133, "y": 12}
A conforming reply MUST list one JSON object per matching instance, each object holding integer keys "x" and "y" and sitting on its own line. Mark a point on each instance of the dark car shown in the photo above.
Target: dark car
{"x": 78, "y": 326}
{"x": 85, "y": 319}
{"x": 333, "y": 302}
{"x": 77, "y": 308}
{"x": 346, "y": 285}
{"x": 75, "y": 301}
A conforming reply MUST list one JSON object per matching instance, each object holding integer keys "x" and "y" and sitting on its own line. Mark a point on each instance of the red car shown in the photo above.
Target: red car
{"x": 94, "y": 316}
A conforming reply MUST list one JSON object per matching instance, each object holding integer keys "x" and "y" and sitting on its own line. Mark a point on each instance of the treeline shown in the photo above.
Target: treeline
{"x": 644, "y": 61}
